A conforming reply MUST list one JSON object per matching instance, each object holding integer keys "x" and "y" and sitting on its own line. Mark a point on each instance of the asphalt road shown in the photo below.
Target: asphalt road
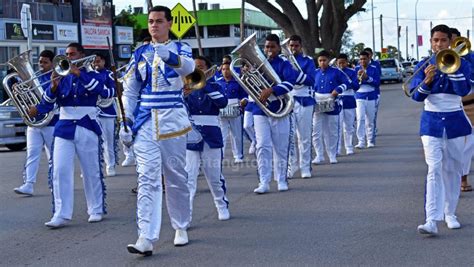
{"x": 362, "y": 211}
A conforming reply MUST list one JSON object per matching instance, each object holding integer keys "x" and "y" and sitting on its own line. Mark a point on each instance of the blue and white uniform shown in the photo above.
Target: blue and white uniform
{"x": 77, "y": 133}
{"x": 377, "y": 65}
{"x": 348, "y": 112}
{"x": 272, "y": 134}
{"x": 233, "y": 125}
{"x": 326, "y": 125}
{"x": 366, "y": 98}
{"x": 302, "y": 116}
{"x": 107, "y": 119}
{"x": 160, "y": 125}
{"x": 443, "y": 129}
{"x": 204, "y": 108}
{"x": 36, "y": 139}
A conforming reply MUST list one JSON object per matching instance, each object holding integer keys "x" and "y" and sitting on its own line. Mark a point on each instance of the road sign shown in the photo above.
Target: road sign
{"x": 383, "y": 55}
{"x": 182, "y": 21}
{"x": 25, "y": 19}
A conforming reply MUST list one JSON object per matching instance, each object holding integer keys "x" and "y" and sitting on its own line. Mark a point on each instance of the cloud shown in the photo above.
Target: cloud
{"x": 442, "y": 14}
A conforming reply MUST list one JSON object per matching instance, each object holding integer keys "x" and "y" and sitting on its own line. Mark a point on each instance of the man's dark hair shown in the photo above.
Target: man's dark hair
{"x": 324, "y": 53}
{"x": 364, "y": 53}
{"x": 455, "y": 31}
{"x": 368, "y": 50}
{"x": 227, "y": 57}
{"x": 146, "y": 39}
{"x": 342, "y": 56}
{"x": 206, "y": 60}
{"x": 164, "y": 9}
{"x": 295, "y": 38}
{"x": 273, "y": 38}
{"x": 47, "y": 53}
{"x": 441, "y": 28}
{"x": 101, "y": 56}
{"x": 78, "y": 47}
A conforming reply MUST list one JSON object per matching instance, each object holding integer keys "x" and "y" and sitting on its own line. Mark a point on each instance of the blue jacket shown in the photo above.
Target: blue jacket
{"x": 232, "y": 89}
{"x": 74, "y": 91}
{"x": 368, "y": 87}
{"x": 443, "y": 109}
{"x": 348, "y": 98}
{"x": 377, "y": 65}
{"x": 303, "y": 90}
{"x": 329, "y": 80}
{"x": 203, "y": 106}
{"x": 43, "y": 108}
{"x": 288, "y": 77}
{"x": 109, "y": 82}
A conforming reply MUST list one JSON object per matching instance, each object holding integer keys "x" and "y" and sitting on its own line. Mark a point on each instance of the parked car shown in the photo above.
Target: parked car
{"x": 391, "y": 70}
{"x": 408, "y": 67}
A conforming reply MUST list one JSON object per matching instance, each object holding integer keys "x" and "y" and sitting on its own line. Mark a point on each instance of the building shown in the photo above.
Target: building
{"x": 219, "y": 29}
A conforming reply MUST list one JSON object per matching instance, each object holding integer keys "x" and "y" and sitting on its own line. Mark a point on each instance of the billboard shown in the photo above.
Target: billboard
{"x": 96, "y": 23}
{"x": 13, "y": 31}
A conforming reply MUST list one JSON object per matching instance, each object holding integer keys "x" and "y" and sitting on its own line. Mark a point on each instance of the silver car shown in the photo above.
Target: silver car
{"x": 391, "y": 70}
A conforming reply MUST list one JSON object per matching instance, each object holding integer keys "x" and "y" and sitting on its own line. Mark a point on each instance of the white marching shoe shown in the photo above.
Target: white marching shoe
{"x": 56, "y": 222}
{"x": 181, "y": 238}
{"x": 452, "y": 222}
{"x": 143, "y": 247}
{"x": 95, "y": 218}
{"x": 24, "y": 189}
{"x": 252, "y": 149}
{"x": 110, "y": 171}
{"x": 223, "y": 214}
{"x": 283, "y": 186}
{"x": 429, "y": 228}
{"x": 129, "y": 161}
{"x": 305, "y": 174}
{"x": 262, "y": 189}
{"x": 317, "y": 160}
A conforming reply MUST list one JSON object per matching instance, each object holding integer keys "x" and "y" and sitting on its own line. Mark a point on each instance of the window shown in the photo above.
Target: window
{"x": 191, "y": 34}
{"x": 218, "y": 31}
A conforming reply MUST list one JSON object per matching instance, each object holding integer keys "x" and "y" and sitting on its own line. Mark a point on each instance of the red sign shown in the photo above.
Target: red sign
{"x": 420, "y": 40}
{"x": 96, "y": 23}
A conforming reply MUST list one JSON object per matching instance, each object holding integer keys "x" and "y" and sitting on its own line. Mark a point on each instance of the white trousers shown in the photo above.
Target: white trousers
{"x": 272, "y": 137}
{"x": 86, "y": 146}
{"x": 248, "y": 126}
{"x": 443, "y": 182}
{"x": 325, "y": 128}
{"x": 302, "y": 121}
{"x": 108, "y": 136}
{"x": 365, "y": 113}
{"x": 234, "y": 127}
{"x": 36, "y": 139}
{"x": 347, "y": 120}
{"x": 154, "y": 159}
{"x": 467, "y": 154}
{"x": 377, "y": 104}
{"x": 211, "y": 161}
{"x": 128, "y": 151}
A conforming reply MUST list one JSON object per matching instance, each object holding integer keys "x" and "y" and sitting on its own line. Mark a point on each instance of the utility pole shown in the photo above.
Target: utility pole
{"x": 373, "y": 26}
{"x": 381, "y": 34}
{"x": 242, "y": 21}
{"x": 398, "y": 35}
{"x": 406, "y": 37}
{"x": 416, "y": 30}
{"x": 431, "y": 25}
{"x": 196, "y": 29}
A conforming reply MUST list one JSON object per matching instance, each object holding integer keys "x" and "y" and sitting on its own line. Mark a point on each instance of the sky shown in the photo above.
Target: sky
{"x": 456, "y": 13}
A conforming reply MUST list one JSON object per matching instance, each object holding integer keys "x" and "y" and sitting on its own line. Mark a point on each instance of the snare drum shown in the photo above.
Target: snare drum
{"x": 327, "y": 104}
{"x": 231, "y": 111}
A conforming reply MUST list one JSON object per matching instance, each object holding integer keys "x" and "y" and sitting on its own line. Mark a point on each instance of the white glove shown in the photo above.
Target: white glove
{"x": 162, "y": 51}
{"x": 126, "y": 137}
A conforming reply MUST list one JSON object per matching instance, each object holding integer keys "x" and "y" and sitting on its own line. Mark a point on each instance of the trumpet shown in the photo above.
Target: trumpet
{"x": 361, "y": 75}
{"x": 447, "y": 61}
{"x": 197, "y": 79}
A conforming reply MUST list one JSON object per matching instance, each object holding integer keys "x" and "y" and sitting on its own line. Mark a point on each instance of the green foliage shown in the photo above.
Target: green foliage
{"x": 355, "y": 51}
{"x": 126, "y": 18}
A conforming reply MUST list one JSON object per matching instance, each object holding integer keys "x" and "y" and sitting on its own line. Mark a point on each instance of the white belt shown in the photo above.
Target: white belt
{"x": 77, "y": 113}
{"x": 232, "y": 101}
{"x": 205, "y": 120}
{"x": 302, "y": 91}
{"x": 365, "y": 88}
{"x": 320, "y": 96}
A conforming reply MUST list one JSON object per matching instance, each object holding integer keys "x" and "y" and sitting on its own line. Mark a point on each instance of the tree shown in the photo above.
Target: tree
{"x": 126, "y": 18}
{"x": 347, "y": 42}
{"x": 316, "y": 31}
{"x": 355, "y": 51}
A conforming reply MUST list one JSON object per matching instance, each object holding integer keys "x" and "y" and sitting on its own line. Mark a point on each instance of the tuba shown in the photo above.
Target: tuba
{"x": 260, "y": 75}
{"x": 25, "y": 89}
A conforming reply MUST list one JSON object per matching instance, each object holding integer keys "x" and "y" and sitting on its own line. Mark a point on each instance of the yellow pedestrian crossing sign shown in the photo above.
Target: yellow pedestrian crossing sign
{"x": 182, "y": 21}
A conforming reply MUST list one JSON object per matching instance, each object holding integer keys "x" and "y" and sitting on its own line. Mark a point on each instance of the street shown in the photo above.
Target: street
{"x": 362, "y": 211}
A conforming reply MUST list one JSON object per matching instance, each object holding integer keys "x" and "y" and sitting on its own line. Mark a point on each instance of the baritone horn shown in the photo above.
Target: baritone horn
{"x": 447, "y": 61}
{"x": 259, "y": 76}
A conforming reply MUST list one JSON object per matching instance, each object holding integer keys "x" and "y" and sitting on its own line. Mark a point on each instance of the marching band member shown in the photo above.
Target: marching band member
{"x": 304, "y": 105}
{"x": 248, "y": 104}
{"x": 329, "y": 82}
{"x": 204, "y": 105}
{"x": 36, "y": 137}
{"x": 348, "y": 103}
{"x": 366, "y": 97}
{"x": 76, "y": 133}
{"x": 107, "y": 118}
{"x": 443, "y": 129}
{"x": 232, "y": 125}
{"x": 273, "y": 133}
{"x": 468, "y": 106}
{"x": 160, "y": 127}
{"x": 376, "y": 64}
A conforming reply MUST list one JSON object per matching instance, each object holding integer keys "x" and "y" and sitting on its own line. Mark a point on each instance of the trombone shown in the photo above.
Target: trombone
{"x": 447, "y": 61}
